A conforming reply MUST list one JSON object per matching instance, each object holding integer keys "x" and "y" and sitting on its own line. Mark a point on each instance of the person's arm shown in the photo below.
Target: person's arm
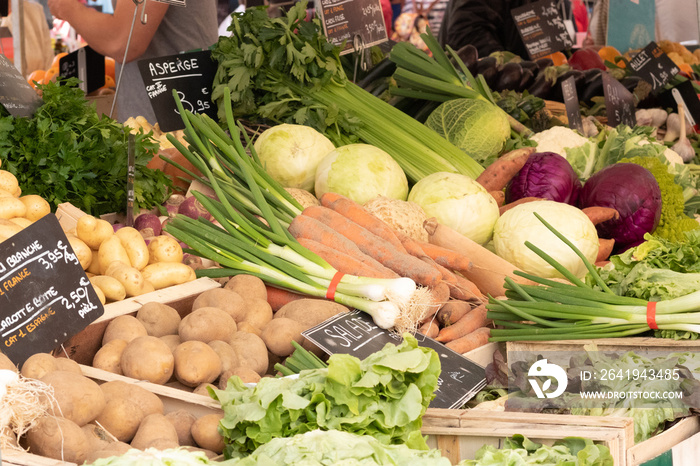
{"x": 108, "y": 34}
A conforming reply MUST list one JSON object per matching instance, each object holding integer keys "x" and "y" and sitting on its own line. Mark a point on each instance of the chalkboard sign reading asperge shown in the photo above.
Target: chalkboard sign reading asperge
{"x": 16, "y": 95}
{"x": 190, "y": 74}
{"x": 342, "y": 20}
{"x": 45, "y": 296}
{"x": 542, "y": 28}
{"x": 355, "y": 333}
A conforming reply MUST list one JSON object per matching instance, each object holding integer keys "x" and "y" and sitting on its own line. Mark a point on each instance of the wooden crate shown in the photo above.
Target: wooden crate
{"x": 83, "y": 346}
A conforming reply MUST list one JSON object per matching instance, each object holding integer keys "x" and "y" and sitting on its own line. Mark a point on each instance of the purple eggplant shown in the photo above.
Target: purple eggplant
{"x": 509, "y": 77}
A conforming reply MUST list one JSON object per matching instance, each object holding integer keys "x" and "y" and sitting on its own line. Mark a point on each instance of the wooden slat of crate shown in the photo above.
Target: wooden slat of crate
{"x": 641, "y": 344}
{"x": 460, "y": 433}
{"x": 661, "y": 443}
{"x": 22, "y": 458}
{"x": 83, "y": 346}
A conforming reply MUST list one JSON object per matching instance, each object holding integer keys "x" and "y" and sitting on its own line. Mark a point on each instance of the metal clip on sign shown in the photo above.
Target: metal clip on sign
{"x": 361, "y": 58}
{"x": 144, "y": 19}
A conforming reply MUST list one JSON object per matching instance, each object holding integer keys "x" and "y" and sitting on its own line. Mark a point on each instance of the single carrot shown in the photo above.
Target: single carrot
{"x": 278, "y": 297}
{"x": 523, "y": 200}
{"x": 441, "y": 294}
{"x": 469, "y": 288}
{"x": 489, "y": 270}
{"x": 306, "y": 227}
{"x": 499, "y": 197}
{"x": 497, "y": 175}
{"x": 452, "y": 311}
{"x": 605, "y": 247}
{"x": 599, "y": 214}
{"x": 430, "y": 329}
{"x": 374, "y": 246}
{"x": 343, "y": 262}
{"x": 460, "y": 287}
{"x": 472, "y": 341}
{"x": 471, "y": 321}
{"x": 448, "y": 258}
{"x": 360, "y": 215}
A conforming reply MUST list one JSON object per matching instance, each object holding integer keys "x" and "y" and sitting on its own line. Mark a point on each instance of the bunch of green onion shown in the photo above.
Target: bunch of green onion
{"x": 250, "y": 236}
{"x": 561, "y": 311}
{"x": 301, "y": 359}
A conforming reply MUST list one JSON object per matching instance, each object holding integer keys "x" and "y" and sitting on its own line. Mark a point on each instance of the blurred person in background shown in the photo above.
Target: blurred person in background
{"x": 169, "y": 30}
{"x": 38, "y": 53}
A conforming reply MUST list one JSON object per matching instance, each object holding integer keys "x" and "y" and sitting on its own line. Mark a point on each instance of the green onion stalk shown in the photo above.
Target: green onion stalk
{"x": 256, "y": 241}
{"x": 553, "y": 310}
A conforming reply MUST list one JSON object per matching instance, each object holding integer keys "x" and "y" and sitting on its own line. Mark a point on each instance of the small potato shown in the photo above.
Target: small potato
{"x": 205, "y": 432}
{"x": 148, "y": 358}
{"x": 165, "y": 274}
{"x": 81, "y": 250}
{"x": 110, "y": 287}
{"x": 58, "y": 438}
{"x": 196, "y": 363}
{"x": 125, "y": 328}
{"x": 98, "y": 438}
{"x": 248, "y": 286}
{"x": 159, "y": 319}
{"x": 153, "y": 427}
{"x": 246, "y": 374}
{"x": 228, "y": 356}
{"x": 8, "y": 228}
{"x": 40, "y": 364}
{"x": 108, "y": 358}
{"x": 111, "y": 250}
{"x": 202, "y": 389}
{"x": 164, "y": 249}
{"x": 93, "y": 231}
{"x": 115, "y": 449}
{"x": 171, "y": 340}
{"x": 149, "y": 402}
{"x": 6, "y": 193}
{"x": 21, "y": 222}
{"x": 251, "y": 351}
{"x": 11, "y": 207}
{"x": 207, "y": 324}
{"x": 279, "y": 334}
{"x": 121, "y": 417}
{"x": 228, "y": 300}
{"x": 8, "y": 181}
{"x": 182, "y": 420}
{"x": 130, "y": 277}
{"x": 100, "y": 295}
{"x": 36, "y": 207}
{"x": 246, "y": 327}
{"x": 94, "y": 267}
{"x": 76, "y": 397}
{"x": 310, "y": 312}
{"x": 134, "y": 245}
{"x": 259, "y": 312}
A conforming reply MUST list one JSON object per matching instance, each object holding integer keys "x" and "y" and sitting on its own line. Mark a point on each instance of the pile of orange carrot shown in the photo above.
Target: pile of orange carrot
{"x": 354, "y": 241}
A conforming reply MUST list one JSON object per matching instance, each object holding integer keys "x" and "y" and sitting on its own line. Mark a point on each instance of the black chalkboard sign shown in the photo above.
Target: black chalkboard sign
{"x": 344, "y": 19}
{"x": 571, "y": 102}
{"x": 86, "y": 65}
{"x": 619, "y": 102}
{"x": 542, "y": 28}
{"x": 654, "y": 66}
{"x": 355, "y": 333}
{"x": 191, "y": 74}
{"x": 45, "y": 296}
{"x": 16, "y": 95}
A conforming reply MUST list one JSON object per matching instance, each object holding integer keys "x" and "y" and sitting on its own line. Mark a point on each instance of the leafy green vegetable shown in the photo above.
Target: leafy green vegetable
{"x": 673, "y": 222}
{"x": 476, "y": 126}
{"x": 625, "y": 142}
{"x": 67, "y": 153}
{"x": 319, "y": 448}
{"x": 384, "y": 396}
{"x": 154, "y": 457}
{"x": 521, "y": 451}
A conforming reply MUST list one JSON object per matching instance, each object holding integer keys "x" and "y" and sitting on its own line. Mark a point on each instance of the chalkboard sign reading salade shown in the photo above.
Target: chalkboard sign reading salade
{"x": 190, "y": 74}
{"x": 45, "y": 296}
{"x": 16, "y": 95}
{"x": 344, "y": 19}
{"x": 355, "y": 333}
{"x": 542, "y": 29}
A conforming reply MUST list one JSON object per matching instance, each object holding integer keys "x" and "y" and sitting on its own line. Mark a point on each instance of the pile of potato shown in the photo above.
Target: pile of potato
{"x": 121, "y": 264}
{"x": 16, "y": 211}
{"x": 229, "y": 331}
{"x": 90, "y": 421}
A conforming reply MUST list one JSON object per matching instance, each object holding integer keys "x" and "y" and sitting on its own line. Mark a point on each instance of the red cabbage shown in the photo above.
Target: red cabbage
{"x": 633, "y": 191}
{"x": 546, "y": 175}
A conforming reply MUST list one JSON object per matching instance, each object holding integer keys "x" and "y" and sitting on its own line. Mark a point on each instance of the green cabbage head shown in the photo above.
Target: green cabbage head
{"x": 479, "y": 128}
